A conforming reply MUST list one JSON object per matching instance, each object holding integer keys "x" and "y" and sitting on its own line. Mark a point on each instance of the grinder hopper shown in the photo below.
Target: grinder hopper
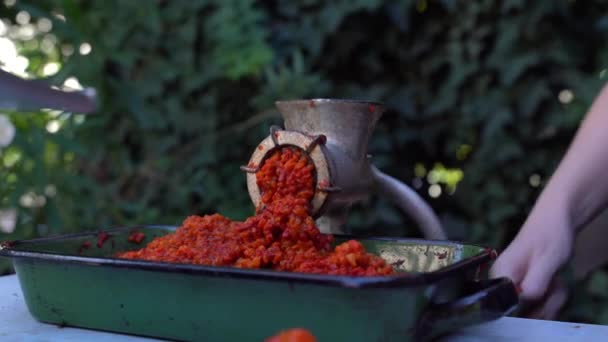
{"x": 335, "y": 134}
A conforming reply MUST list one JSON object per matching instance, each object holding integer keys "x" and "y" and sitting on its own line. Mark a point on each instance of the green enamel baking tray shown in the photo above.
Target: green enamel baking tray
{"x": 73, "y": 280}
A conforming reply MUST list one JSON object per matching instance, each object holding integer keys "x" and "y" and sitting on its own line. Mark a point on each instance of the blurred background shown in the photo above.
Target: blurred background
{"x": 486, "y": 95}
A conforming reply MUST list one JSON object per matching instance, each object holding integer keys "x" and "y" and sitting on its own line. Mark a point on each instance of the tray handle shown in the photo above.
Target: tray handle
{"x": 485, "y": 301}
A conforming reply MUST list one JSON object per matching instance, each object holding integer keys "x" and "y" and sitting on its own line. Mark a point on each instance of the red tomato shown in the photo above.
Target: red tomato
{"x": 293, "y": 335}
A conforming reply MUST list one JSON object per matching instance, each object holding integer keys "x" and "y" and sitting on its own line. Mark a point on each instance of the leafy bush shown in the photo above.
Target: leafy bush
{"x": 486, "y": 96}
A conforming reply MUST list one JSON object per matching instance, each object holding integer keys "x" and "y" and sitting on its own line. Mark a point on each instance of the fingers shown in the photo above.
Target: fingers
{"x": 512, "y": 263}
{"x": 531, "y": 261}
{"x": 532, "y": 264}
{"x": 536, "y": 281}
{"x": 555, "y": 299}
{"x": 541, "y": 271}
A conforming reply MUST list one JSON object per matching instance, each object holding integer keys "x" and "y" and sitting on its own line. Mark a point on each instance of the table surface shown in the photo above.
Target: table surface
{"x": 16, "y": 324}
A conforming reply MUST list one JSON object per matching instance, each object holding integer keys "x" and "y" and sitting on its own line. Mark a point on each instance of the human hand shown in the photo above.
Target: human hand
{"x": 532, "y": 260}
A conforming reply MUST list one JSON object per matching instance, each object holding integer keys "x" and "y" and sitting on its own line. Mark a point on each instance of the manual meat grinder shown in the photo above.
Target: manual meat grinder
{"x": 335, "y": 134}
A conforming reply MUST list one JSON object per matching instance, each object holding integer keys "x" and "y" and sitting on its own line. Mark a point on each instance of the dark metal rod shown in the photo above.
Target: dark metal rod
{"x": 28, "y": 95}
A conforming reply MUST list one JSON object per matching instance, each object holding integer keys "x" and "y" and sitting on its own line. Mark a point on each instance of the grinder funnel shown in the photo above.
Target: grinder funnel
{"x": 347, "y": 124}
{"x": 335, "y": 134}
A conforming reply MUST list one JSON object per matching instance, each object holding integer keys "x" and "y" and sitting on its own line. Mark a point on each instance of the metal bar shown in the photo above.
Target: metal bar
{"x": 250, "y": 169}
{"x": 273, "y": 135}
{"x": 320, "y": 139}
{"x": 29, "y": 95}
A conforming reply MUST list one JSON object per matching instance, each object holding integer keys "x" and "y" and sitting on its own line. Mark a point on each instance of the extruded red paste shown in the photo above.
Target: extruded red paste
{"x": 136, "y": 237}
{"x": 281, "y": 235}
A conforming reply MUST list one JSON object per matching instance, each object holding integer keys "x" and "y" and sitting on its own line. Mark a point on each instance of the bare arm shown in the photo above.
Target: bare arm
{"x": 575, "y": 194}
{"x": 581, "y": 179}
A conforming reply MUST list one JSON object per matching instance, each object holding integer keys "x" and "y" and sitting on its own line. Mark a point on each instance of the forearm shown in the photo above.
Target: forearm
{"x": 579, "y": 185}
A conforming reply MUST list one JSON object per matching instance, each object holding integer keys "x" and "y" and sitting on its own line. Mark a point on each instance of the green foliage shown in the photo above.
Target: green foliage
{"x": 187, "y": 89}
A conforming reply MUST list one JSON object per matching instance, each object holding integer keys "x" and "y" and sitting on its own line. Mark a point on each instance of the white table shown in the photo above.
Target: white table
{"x": 16, "y": 324}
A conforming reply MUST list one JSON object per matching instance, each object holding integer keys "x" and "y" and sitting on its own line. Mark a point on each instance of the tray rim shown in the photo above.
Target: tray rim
{"x": 403, "y": 280}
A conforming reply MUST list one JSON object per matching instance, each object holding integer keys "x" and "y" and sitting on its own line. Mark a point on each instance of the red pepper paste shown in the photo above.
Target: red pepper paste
{"x": 281, "y": 235}
{"x": 293, "y": 335}
{"x": 136, "y": 237}
{"x": 85, "y": 245}
{"x": 102, "y": 237}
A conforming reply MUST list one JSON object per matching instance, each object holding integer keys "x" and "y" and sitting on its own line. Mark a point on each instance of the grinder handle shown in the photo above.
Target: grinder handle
{"x": 411, "y": 203}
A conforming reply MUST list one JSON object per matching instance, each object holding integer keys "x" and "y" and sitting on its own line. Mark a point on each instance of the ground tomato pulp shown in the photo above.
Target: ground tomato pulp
{"x": 280, "y": 236}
